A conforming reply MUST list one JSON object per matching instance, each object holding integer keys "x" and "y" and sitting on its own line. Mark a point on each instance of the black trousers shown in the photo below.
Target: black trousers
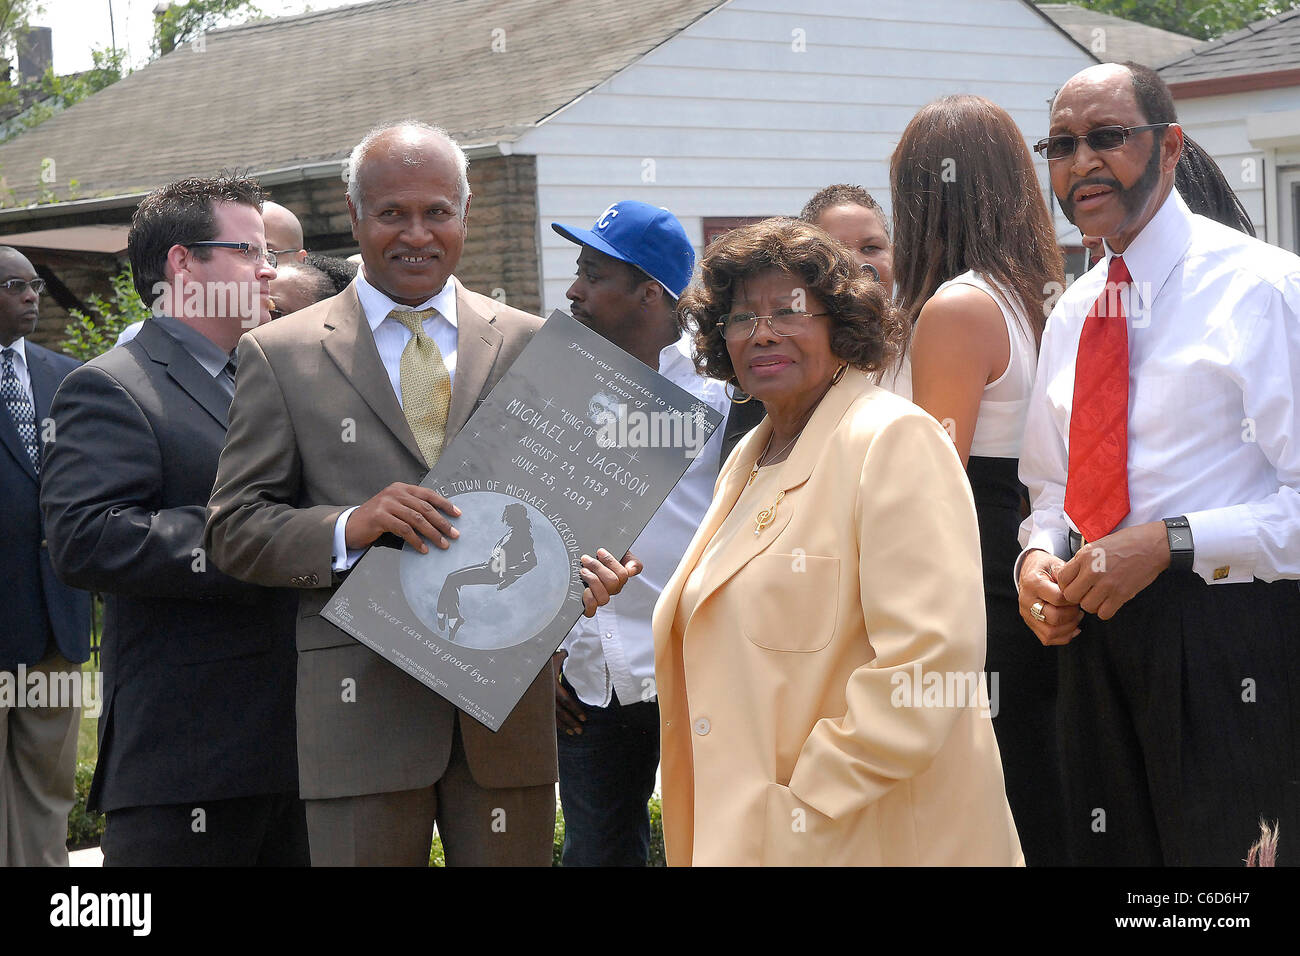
{"x": 1179, "y": 720}
{"x": 269, "y": 830}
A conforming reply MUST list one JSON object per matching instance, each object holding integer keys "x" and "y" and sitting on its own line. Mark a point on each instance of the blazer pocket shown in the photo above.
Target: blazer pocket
{"x": 789, "y": 602}
{"x": 314, "y": 631}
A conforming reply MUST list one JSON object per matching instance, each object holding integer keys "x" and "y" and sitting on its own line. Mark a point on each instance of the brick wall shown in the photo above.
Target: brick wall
{"x": 500, "y": 257}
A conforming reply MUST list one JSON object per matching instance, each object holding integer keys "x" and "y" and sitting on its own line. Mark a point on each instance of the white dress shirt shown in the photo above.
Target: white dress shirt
{"x": 391, "y": 337}
{"x": 613, "y": 652}
{"x": 19, "y": 346}
{"x": 1214, "y": 373}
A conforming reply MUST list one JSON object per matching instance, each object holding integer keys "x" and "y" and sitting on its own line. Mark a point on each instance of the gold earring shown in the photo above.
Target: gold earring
{"x": 732, "y": 394}
{"x": 839, "y": 374}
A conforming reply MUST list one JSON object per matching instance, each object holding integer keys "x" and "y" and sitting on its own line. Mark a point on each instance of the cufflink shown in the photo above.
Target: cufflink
{"x": 1221, "y": 573}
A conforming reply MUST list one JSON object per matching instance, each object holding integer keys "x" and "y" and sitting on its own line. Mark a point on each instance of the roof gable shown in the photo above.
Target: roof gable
{"x": 1116, "y": 39}
{"x": 297, "y": 90}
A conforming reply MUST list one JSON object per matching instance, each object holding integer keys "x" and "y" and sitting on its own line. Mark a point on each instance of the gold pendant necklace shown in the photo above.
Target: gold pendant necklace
{"x": 767, "y": 515}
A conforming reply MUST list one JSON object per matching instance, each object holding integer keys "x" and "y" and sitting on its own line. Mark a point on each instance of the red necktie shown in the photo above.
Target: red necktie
{"x": 1096, "y": 489}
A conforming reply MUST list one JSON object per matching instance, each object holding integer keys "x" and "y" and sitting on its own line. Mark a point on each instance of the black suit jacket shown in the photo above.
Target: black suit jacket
{"x": 198, "y": 667}
{"x": 38, "y": 607}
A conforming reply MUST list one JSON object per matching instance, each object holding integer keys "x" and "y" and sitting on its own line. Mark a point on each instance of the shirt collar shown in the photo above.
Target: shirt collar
{"x": 683, "y": 348}
{"x": 206, "y": 352}
{"x": 19, "y": 345}
{"x": 1154, "y": 251}
{"x": 377, "y": 305}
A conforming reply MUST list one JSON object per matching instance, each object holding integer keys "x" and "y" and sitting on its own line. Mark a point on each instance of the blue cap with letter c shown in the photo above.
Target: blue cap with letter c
{"x": 647, "y": 236}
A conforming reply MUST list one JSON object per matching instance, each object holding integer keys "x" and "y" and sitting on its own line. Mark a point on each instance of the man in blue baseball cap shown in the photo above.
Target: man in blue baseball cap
{"x": 634, "y": 264}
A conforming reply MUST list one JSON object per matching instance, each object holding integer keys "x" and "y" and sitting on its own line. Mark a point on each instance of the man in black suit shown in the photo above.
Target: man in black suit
{"x": 197, "y": 763}
{"x": 46, "y": 625}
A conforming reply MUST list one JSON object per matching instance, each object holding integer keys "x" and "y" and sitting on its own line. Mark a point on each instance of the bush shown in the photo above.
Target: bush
{"x": 87, "y": 335}
{"x": 84, "y": 828}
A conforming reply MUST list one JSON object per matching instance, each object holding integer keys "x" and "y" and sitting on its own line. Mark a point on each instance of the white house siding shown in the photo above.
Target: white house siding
{"x": 1219, "y": 123}
{"x": 727, "y": 119}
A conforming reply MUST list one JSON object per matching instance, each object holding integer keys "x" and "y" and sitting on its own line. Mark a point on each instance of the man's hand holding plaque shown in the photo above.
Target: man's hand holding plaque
{"x": 415, "y": 513}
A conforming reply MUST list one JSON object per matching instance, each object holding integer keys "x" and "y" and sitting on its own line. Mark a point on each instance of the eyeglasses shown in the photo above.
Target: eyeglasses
{"x": 284, "y": 252}
{"x": 1063, "y": 145}
{"x": 246, "y": 249}
{"x": 738, "y": 326}
{"x": 19, "y": 286}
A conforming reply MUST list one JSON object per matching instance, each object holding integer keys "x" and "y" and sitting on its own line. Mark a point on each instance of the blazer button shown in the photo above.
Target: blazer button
{"x": 701, "y": 725}
{"x": 43, "y": 544}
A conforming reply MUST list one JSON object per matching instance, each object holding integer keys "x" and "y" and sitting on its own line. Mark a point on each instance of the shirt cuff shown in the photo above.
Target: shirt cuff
{"x": 1223, "y": 540}
{"x": 343, "y": 557}
{"x": 1053, "y": 541}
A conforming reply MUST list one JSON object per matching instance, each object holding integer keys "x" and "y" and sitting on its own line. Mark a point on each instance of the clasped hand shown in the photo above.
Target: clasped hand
{"x": 1101, "y": 578}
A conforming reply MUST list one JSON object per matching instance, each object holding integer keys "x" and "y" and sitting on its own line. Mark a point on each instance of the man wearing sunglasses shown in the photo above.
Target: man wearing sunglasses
{"x": 197, "y": 760}
{"x": 46, "y": 627}
{"x": 1163, "y": 546}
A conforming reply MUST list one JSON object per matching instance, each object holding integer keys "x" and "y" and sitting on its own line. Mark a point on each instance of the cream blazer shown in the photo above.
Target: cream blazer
{"x": 822, "y": 705}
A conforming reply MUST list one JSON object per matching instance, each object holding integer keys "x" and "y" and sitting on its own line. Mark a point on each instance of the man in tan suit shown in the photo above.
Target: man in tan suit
{"x": 348, "y": 401}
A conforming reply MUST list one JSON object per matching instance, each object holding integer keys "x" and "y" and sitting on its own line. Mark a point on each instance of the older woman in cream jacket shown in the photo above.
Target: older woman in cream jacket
{"x": 819, "y": 650}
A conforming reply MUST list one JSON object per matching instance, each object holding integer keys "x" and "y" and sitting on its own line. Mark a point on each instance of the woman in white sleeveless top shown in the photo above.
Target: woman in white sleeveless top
{"x": 975, "y": 261}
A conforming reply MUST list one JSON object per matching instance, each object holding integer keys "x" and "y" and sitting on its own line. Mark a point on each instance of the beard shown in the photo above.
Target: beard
{"x": 1133, "y": 198}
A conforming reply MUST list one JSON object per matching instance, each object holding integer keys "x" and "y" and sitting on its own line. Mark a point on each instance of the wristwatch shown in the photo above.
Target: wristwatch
{"x": 1181, "y": 555}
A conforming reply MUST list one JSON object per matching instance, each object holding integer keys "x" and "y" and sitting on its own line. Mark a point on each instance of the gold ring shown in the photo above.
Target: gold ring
{"x": 1036, "y": 609}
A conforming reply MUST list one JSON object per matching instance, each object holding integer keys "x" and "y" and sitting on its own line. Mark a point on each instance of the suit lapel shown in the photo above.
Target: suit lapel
{"x": 477, "y": 343}
{"x": 185, "y": 371}
{"x": 351, "y": 345}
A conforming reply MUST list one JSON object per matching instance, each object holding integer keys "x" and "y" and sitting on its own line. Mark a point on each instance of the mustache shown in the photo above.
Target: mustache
{"x": 1094, "y": 181}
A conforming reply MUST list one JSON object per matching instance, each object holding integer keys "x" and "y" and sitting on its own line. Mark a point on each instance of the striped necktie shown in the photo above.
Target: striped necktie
{"x": 426, "y": 384}
{"x": 20, "y": 409}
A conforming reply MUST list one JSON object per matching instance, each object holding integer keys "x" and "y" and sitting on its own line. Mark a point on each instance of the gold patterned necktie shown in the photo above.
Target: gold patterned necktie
{"x": 426, "y": 384}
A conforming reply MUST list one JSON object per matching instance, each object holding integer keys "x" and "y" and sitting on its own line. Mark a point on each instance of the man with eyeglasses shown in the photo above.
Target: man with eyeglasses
{"x": 46, "y": 629}
{"x": 197, "y": 759}
{"x": 1163, "y": 546}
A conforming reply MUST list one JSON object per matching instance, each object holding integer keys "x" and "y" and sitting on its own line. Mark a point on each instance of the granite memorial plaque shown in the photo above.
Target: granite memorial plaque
{"x": 573, "y": 450}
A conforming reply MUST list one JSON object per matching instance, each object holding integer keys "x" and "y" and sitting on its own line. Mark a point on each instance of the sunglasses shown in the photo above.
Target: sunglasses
{"x": 19, "y": 286}
{"x": 1063, "y": 145}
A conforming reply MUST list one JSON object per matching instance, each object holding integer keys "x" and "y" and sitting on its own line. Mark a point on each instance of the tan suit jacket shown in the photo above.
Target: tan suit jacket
{"x": 316, "y": 428}
{"x": 787, "y": 735}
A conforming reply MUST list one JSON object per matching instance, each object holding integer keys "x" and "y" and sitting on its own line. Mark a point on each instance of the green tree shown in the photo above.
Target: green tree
{"x": 57, "y": 93}
{"x": 181, "y": 23}
{"x": 1204, "y": 19}
{"x": 14, "y": 16}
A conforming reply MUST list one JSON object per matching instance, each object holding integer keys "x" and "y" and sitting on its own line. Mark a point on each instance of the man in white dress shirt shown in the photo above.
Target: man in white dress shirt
{"x": 1164, "y": 540}
{"x": 635, "y": 263}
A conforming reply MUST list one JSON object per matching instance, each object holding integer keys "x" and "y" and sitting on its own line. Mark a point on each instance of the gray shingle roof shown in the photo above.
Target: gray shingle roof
{"x": 296, "y": 90}
{"x": 1124, "y": 39}
{"x": 1265, "y": 46}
